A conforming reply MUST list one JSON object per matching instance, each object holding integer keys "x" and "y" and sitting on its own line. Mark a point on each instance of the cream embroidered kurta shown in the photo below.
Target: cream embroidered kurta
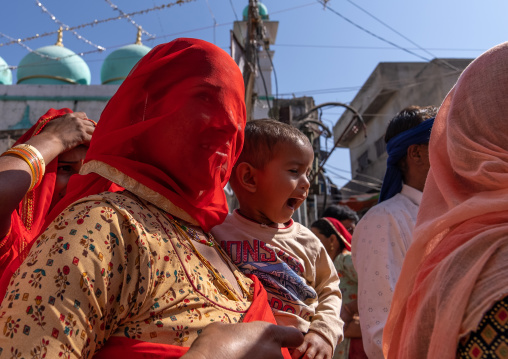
{"x": 379, "y": 245}
{"x": 115, "y": 260}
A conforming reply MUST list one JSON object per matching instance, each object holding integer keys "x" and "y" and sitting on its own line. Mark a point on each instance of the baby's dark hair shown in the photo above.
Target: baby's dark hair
{"x": 262, "y": 138}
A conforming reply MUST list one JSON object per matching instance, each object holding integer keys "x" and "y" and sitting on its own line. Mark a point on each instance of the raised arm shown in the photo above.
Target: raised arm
{"x": 58, "y": 136}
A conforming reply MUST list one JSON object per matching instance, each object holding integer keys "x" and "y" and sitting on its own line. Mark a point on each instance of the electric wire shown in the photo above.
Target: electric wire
{"x": 67, "y": 28}
{"x": 97, "y": 22}
{"x": 128, "y": 18}
{"x": 234, "y": 11}
{"x": 264, "y": 85}
{"x": 404, "y": 83}
{"x": 371, "y": 33}
{"x": 353, "y": 47}
{"x": 213, "y": 19}
{"x": 400, "y": 34}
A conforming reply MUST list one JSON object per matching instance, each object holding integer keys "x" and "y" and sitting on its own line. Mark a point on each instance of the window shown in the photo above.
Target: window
{"x": 380, "y": 146}
{"x": 363, "y": 161}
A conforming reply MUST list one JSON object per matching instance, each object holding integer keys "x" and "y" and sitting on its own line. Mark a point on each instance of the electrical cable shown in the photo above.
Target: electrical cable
{"x": 371, "y": 33}
{"x": 97, "y": 22}
{"x": 401, "y": 35}
{"x": 405, "y": 83}
{"x": 67, "y": 28}
{"x": 275, "y": 78}
{"x": 352, "y": 47}
{"x": 128, "y": 18}
{"x": 213, "y": 19}
{"x": 234, "y": 11}
{"x": 264, "y": 85}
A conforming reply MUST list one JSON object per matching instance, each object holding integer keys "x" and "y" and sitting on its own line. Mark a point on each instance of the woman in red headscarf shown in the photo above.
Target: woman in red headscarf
{"x": 136, "y": 272}
{"x": 60, "y": 138}
{"x": 337, "y": 241}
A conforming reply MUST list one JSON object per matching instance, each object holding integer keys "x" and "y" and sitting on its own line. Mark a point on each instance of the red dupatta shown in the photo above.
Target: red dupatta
{"x": 27, "y": 221}
{"x": 171, "y": 133}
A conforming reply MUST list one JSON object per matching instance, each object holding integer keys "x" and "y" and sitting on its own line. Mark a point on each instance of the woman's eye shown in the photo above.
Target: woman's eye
{"x": 65, "y": 169}
{"x": 204, "y": 97}
{"x": 293, "y": 171}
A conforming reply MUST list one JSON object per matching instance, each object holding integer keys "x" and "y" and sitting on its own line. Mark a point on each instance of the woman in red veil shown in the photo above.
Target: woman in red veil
{"x": 61, "y": 137}
{"x": 136, "y": 272}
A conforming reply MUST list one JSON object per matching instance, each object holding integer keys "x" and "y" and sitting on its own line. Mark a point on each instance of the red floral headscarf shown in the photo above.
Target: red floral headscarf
{"x": 171, "y": 133}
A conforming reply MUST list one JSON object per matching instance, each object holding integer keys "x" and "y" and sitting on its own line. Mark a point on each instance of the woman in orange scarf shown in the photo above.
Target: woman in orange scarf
{"x": 136, "y": 273}
{"x": 61, "y": 138}
{"x": 455, "y": 273}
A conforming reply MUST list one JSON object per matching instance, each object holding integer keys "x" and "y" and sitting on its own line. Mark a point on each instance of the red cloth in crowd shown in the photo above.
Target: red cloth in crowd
{"x": 341, "y": 231}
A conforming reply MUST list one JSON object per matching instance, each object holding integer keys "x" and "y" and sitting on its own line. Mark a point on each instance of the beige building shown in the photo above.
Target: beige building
{"x": 391, "y": 87}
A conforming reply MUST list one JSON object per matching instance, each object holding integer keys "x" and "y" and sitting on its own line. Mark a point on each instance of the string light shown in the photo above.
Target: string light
{"x": 96, "y": 22}
{"x": 67, "y": 28}
{"x": 20, "y": 43}
{"x": 115, "y": 7}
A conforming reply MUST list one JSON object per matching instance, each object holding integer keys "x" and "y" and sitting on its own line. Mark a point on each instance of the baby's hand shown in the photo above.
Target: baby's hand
{"x": 314, "y": 347}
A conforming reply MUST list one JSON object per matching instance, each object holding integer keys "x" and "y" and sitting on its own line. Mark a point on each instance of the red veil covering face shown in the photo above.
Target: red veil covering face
{"x": 171, "y": 133}
{"x": 27, "y": 221}
{"x": 456, "y": 268}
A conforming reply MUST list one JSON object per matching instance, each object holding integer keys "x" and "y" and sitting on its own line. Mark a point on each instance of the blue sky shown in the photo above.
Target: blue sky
{"x": 324, "y": 53}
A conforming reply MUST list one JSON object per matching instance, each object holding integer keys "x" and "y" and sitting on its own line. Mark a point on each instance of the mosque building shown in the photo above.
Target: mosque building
{"x": 50, "y": 77}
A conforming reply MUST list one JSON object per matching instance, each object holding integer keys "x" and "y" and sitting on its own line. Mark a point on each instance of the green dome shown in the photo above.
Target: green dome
{"x": 53, "y": 65}
{"x": 120, "y": 62}
{"x": 263, "y": 12}
{"x": 5, "y": 73}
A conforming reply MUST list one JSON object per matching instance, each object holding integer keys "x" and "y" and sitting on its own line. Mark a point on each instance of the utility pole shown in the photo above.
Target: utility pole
{"x": 249, "y": 70}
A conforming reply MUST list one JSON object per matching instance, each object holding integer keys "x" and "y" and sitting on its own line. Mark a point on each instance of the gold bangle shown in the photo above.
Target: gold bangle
{"x": 15, "y": 152}
{"x": 36, "y": 152}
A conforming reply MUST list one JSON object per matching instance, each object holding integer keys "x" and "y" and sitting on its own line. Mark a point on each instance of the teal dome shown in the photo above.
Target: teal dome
{"x": 120, "y": 62}
{"x": 5, "y": 73}
{"x": 53, "y": 65}
{"x": 263, "y": 12}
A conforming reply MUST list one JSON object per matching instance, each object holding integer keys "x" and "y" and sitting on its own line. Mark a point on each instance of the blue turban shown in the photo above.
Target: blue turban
{"x": 397, "y": 149}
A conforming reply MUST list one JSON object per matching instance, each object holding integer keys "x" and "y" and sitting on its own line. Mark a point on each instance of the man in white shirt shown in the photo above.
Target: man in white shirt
{"x": 383, "y": 236}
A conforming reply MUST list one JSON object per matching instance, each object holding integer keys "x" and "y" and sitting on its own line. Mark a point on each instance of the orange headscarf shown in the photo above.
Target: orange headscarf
{"x": 171, "y": 133}
{"x": 27, "y": 221}
{"x": 457, "y": 266}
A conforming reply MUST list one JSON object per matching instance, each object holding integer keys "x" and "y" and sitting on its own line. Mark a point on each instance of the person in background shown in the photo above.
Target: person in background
{"x": 33, "y": 177}
{"x": 337, "y": 242}
{"x": 451, "y": 298}
{"x": 344, "y": 214}
{"x": 270, "y": 182}
{"x": 132, "y": 271}
{"x": 384, "y": 234}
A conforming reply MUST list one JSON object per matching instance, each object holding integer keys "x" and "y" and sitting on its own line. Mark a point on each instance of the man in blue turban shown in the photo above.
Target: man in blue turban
{"x": 384, "y": 234}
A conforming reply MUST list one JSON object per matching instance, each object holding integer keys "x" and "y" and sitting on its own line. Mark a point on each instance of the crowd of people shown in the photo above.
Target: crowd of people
{"x": 117, "y": 241}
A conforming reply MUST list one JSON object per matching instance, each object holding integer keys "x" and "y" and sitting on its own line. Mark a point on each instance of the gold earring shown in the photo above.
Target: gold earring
{"x": 331, "y": 247}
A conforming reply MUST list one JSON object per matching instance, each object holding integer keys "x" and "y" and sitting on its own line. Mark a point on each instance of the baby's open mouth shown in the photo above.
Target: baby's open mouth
{"x": 292, "y": 202}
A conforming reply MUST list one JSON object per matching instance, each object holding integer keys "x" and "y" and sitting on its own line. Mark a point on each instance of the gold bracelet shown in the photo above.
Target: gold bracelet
{"x": 33, "y": 158}
{"x": 19, "y": 154}
{"x": 36, "y": 152}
